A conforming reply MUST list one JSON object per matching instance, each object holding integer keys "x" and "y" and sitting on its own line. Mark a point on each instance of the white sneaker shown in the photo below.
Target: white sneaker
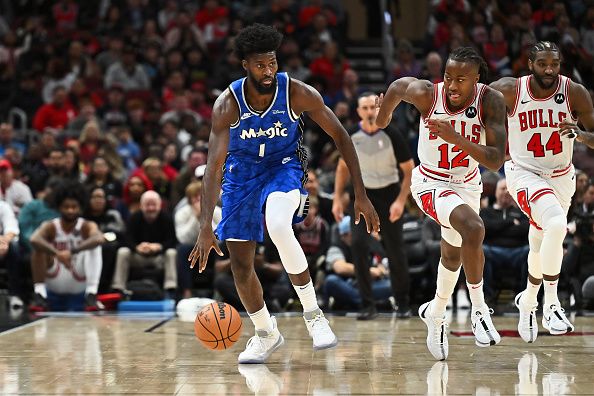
{"x": 319, "y": 330}
{"x": 483, "y": 328}
{"x": 437, "y": 337}
{"x": 527, "y": 325}
{"x": 260, "y": 380}
{"x": 437, "y": 379}
{"x": 260, "y": 346}
{"x": 15, "y": 302}
{"x": 555, "y": 321}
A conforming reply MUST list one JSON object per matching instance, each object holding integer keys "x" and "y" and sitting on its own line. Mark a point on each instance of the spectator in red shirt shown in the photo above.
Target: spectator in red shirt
{"x": 330, "y": 66}
{"x": 210, "y": 13}
{"x": 65, "y": 14}
{"x": 53, "y": 117}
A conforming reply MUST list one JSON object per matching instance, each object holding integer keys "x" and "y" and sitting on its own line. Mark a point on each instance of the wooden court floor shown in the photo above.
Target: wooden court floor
{"x": 160, "y": 355}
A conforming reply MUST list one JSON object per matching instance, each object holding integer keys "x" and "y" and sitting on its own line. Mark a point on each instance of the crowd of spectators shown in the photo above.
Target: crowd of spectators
{"x": 118, "y": 95}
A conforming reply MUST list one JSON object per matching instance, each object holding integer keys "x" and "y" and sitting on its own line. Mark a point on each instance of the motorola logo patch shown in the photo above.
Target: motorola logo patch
{"x": 559, "y": 98}
{"x": 471, "y": 112}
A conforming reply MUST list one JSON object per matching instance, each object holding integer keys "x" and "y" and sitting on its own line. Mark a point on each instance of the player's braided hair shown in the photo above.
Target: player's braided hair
{"x": 257, "y": 39}
{"x": 542, "y": 46}
{"x": 469, "y": 54}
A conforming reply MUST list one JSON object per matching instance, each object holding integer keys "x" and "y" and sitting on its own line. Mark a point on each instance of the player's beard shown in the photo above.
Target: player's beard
{"x": 542, "y": 84}
{"x": 261, "y": 88}
{"x": 69, "y": 219}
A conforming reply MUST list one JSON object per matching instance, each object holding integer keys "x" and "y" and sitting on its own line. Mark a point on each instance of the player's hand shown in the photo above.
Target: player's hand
{"x": 444, "y": 130}
{"x": 381, "y": 121}
{"x": 570, "y": 130}
{"x": 204, "y": 243}
{"x": 65, "y": 257}
{"x": 337, "y": 209}
{"x": 364, "y": 207}
{"x": 396, "y": 210}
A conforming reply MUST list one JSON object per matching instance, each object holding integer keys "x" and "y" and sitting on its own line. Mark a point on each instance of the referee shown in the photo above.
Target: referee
{"x": 381, "y": 152}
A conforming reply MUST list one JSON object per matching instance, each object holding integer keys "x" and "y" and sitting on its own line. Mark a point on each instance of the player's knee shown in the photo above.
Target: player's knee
{"x": 556, "y": 225}
{"x": 241, "y": 269}
{"x": 473, "y": 231}
{"x": 279, "y": 230}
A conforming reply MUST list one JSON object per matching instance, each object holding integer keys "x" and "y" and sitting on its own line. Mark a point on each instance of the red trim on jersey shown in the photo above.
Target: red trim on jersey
{"x": 77, "y": 277}
{"x": 427, "y": 199}
{"x": 445, "y": 104}
{"x": 480, "y": 105}
{"x": 539, "y": 193}
{"x": 561, "y": 172}
{"x": 55, "y": 273}
{"x": 434, "y": 103}
{"x": 518, "y": 91}
{"x": 567, "y": 98}
{"x": 444, "y": 176}
{"x": 547, "y": 98}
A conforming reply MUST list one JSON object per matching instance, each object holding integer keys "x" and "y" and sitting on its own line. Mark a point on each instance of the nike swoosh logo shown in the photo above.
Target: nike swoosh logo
{"x": 524, "y": 102}
{"x": 435, "y": 112}
{"x": 425, "y": 310}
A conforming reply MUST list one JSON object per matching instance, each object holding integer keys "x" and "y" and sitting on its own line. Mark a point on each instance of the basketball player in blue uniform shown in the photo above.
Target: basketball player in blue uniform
{"x": 256, "y": 156}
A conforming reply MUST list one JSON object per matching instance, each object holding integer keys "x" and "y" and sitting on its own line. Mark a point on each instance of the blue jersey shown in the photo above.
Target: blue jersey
{"x": 265, "y": 154}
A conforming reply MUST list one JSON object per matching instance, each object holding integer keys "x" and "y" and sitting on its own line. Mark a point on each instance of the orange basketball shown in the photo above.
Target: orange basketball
{"x": 218, "y": 326}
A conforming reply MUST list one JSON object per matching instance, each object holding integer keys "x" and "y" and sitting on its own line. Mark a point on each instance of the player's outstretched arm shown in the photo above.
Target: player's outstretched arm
{"x": 581, "y": 104}
{"x": 224, "y": 114}
{"x": 306, "y": 99}
{"x": 411, "y": 90}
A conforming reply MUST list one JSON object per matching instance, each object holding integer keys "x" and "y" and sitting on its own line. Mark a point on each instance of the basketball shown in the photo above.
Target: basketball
{"x": 218, "y": 326}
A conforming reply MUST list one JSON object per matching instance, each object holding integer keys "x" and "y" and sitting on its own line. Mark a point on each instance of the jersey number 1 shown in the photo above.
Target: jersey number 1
{"x": 554, "y": 145}
{"x": 458, "y": 161}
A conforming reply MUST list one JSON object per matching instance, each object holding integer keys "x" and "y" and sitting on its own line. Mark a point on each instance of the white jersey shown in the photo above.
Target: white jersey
{"x": 534, "y": 140}
{"x": 442, "y": 160}
{"x": 67, "y": 240}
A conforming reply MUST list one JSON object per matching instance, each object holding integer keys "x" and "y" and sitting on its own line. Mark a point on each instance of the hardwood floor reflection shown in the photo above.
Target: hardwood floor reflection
{"x": 153, "y": 355}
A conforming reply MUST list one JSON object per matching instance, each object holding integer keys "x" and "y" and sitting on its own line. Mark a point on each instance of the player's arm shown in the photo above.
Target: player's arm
{"x": 341, "y": 179}
{"x": 581, "y": 104}
{"x": 492, "y": 154}
{"x": 306, "y": 99}
{"x": 224, "y": 113}
{"x": 507, "y": 86}
{"x": 93, "y": 237}
{"x": 414, "y": 91}
{"x": 43, "y": 237}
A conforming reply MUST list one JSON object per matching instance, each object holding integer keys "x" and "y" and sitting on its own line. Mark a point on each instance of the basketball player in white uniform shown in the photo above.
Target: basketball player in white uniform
{"x": 462, "y": 125}
{"x": 66, "y": 258}
{"x": 543, "y": 109}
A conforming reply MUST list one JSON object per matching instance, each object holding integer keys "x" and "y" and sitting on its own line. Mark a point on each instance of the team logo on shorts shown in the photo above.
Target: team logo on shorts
{"x": 471, "y": 112}
{"x": 559, "y": 98}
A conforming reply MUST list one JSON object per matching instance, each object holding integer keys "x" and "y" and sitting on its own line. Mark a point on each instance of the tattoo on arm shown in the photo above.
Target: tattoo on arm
{"x": 495, "y": 115}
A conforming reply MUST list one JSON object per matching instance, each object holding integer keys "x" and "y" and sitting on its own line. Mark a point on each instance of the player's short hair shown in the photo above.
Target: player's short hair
{"x": 542, "y": 46}
{"x": 469, "y": 54}
{"x": 70, "y": 190}
{"x": 257, "y": 39}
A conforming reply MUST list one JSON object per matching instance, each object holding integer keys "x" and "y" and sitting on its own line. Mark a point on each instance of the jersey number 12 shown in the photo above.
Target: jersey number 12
{"x": 460, "y": 160}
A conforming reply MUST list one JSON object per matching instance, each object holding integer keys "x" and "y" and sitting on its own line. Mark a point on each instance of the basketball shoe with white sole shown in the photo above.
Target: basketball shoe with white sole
{"x": 319, "y": 330}
{"x": 527, "y": 325}
{"x": 482, "y": 326}
{"x": 261, "y": 346}
{"x": 555, "y": 321}
{"x": 437, "y": 334}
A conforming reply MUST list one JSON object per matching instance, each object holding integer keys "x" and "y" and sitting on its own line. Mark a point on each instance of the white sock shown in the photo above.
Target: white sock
{"x": 550, "y": 292}
{"x": 477, "y": 297}
{"x": 446, "y": 281}
{"x": 262, "y": 320}
{"x": 530, "y": 296}
{"x": 92, "y": 264}
{"x": 40, "y": 289}
{"x": 307, "y": 296}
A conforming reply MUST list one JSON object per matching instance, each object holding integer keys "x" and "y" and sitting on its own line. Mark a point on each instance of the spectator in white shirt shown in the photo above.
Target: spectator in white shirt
{"x": 9, "y": 254}
{"x": 187, "y": 227}
{"x": 14, "y": 192}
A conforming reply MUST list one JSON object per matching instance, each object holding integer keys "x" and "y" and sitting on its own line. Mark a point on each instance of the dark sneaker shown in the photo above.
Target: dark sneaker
{"x": 39, "y": 303}
{"x": 91, "y": 303}
{"x": 368, "y": 313}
